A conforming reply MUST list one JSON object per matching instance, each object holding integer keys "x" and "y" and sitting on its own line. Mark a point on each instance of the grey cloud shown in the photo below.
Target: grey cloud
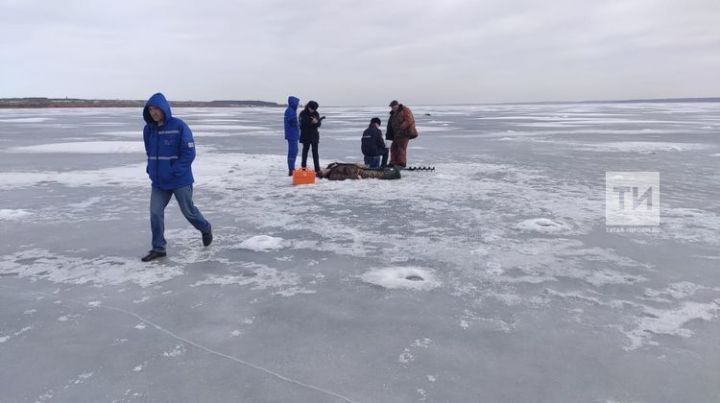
{"x": 349, "y": 52}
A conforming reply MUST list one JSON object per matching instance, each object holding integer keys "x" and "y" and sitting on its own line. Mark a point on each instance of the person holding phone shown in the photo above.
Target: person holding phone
{"x": 310, "y": 121}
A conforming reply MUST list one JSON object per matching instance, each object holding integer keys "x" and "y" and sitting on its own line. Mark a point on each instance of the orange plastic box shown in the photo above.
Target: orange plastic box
{"x": 303, "y": 176}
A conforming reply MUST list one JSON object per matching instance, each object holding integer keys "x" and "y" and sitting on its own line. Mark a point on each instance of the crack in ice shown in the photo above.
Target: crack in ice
{"x": 210, "y": 350}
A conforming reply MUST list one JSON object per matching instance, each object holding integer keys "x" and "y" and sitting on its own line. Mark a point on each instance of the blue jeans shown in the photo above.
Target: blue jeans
{"x": 159, "y": 199}
{"x": 292, "y": 154}
{"x": 375, "y": 162}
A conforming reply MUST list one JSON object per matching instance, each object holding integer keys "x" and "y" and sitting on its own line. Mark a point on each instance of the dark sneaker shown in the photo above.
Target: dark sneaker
{"x": 207, "y": 237}
{"x": 152, "y": 255}
{"x": 290, "y": 172}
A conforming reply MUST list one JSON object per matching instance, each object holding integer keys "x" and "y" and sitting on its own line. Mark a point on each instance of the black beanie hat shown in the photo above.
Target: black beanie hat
{"x": 312, "y": 105}
{"x": 393, "y": 103}
{"x": 375, "y": 120}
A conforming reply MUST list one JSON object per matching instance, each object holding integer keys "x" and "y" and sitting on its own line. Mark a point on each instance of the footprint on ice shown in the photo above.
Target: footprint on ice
{"x": 544, "y": 225}
{"x": 262, "y": 243}
{"x": 412, "y": 278}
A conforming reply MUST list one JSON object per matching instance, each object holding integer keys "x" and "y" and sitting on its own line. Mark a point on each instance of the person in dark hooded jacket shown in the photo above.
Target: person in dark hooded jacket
{"x": 170, "y": 150}
{"x": 373, "y": 146}
{"x": 292, "y": 132}
{"x": 310, "y": 121}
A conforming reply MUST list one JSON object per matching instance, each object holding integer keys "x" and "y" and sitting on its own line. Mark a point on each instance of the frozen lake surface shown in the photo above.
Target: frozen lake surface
{"x": 492, "y": 279}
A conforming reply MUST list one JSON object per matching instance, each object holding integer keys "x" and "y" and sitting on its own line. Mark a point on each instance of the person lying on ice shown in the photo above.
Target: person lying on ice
{"x": 338, "y": 171}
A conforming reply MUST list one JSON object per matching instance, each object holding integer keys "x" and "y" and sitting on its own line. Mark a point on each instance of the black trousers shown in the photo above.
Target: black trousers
{"x": 316, "y": 157}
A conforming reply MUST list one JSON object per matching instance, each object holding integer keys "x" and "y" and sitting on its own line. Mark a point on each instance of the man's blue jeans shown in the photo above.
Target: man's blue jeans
{"x": 378, "y": 160}
{"x": 373, "y": 162}
{"x": 159, "y": 199}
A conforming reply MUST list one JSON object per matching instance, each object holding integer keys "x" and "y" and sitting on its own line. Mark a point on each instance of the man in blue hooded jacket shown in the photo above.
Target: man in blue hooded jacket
{"x": 292, "y": 132}
{"x": 170, "y": 151}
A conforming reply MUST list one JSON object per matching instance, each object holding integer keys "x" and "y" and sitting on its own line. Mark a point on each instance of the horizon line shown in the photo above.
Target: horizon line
{"x": 550, "y": 102}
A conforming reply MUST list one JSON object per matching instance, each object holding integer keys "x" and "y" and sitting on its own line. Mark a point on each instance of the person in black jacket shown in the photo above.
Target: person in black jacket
{"x": 373, "y": 146}
{"x": 310, "y": 121}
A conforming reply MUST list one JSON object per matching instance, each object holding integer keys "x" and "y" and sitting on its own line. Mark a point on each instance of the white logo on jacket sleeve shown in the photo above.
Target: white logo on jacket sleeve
{"x": 191, "y": 145}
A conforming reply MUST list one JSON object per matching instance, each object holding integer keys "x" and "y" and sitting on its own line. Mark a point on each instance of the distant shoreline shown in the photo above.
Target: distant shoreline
{"x": 121, "y": 103}
{"x": 39, "y": 102}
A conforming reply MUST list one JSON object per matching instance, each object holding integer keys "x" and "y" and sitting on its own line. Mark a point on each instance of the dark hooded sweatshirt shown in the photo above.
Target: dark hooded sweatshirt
{"x": 308, "y": 130}
{"x": 372, "y": 143}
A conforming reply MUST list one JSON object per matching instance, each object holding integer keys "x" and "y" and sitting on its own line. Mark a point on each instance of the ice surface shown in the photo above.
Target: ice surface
{"x": 262, "y": 243}
{"x": 492, "y": 278}
{"x": 84, "y": 147}
{"x": 542, "y": 225}
{"x": 413, "y": 278}
{"x": 13, "y": 214}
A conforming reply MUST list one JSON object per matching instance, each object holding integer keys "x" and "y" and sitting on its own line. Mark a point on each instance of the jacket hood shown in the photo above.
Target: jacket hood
{"x": 158, "y": 100}
{"x": 293, "y": 102}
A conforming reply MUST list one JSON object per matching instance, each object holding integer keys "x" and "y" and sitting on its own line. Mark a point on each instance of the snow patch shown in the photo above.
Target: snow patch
{"x": 408, "y": 356}
{"x": 262, "y": 243}
{"x": 644, "y": 147}
{"x": 175, "y": 352}
{"x": 85, "y": 204}
{"x": 83, "y": 147}
{"x": 13, "y": 214}
{"x": 261, "y": 278}
{"x": 669, "y": 322}
{"x": 543, "y": 225}
{"x": 105, "y": 270}
{"x": 3, "y": 339}
{"x": 605, "y": 277}
{"x": 678, "y": 290}
{"x": 24, "y": 120}
{"x": 412, "y": 278}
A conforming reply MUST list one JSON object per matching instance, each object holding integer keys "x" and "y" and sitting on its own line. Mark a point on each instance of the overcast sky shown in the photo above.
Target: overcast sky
{"x": 361, "y": 52}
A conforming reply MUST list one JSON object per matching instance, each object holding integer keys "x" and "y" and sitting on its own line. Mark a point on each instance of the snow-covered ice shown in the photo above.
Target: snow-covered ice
{"x": 492, "y": 278}
{"x": 262, "y": 243}
{"x": 413, "y": 278}
{"x": 83, "y": 147}
{"x": 13, "y": 214}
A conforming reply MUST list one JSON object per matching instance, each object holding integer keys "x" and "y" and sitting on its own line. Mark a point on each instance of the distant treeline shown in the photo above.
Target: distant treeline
{"x": 119, "y": 103}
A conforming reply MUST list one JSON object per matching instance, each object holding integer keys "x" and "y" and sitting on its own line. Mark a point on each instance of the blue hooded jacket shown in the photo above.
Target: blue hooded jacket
{"x": 170, "y": 147}
{"x": 292, "y": 127}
